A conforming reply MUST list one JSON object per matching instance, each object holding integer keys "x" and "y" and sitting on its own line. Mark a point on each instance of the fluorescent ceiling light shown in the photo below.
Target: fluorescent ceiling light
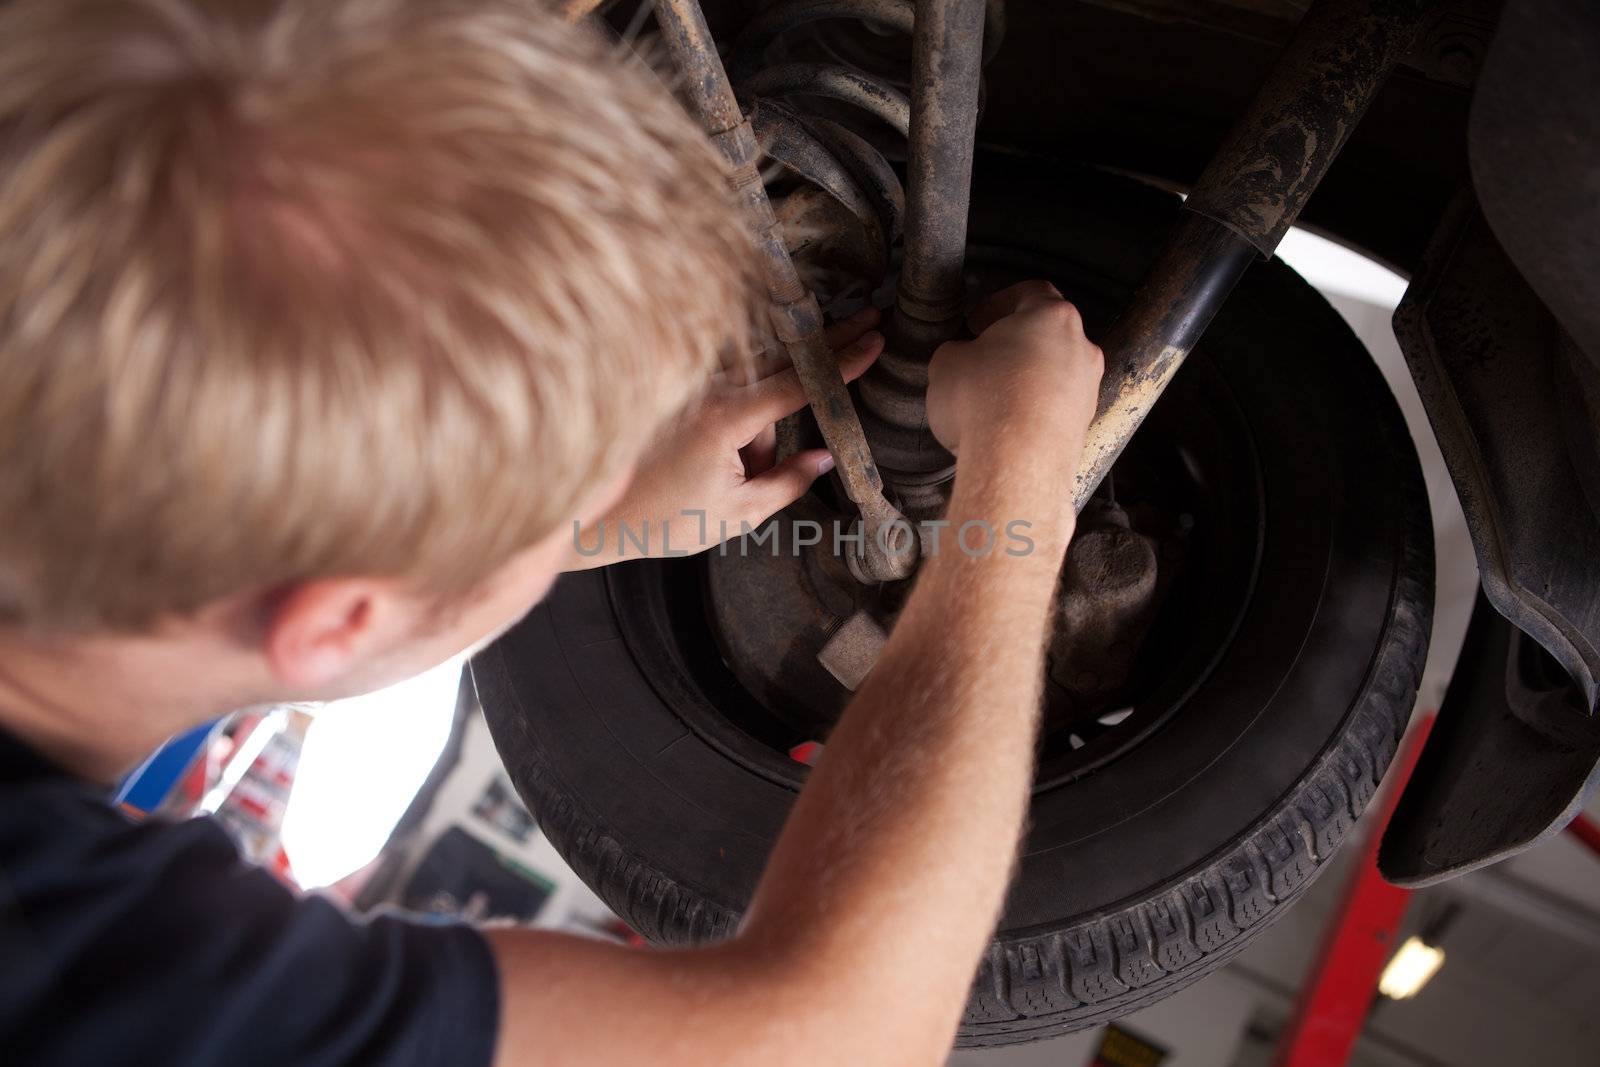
{"x": 364, "y": 760}
{"x": 1409, "y": 971}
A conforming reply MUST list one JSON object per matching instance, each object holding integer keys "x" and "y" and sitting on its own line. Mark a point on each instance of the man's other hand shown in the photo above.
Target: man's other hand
{"x": 718, "y": 458}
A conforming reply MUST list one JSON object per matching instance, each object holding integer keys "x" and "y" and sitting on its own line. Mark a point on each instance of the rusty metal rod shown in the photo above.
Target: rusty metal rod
{"x": 1249, "y": 195}
{"x": 886, "y": 552}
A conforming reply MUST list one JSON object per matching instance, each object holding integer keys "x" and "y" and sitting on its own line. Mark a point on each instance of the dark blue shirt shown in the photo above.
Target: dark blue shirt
{"x": 154, "y": 943}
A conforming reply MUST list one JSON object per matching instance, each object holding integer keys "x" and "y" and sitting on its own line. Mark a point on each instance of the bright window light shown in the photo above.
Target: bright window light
{"x": 364, "y": 760}
{"x": 1333, "y": 268}
{"x": 1409, "y": 971}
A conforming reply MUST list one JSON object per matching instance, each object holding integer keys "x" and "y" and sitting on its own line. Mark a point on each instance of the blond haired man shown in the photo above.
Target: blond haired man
{"x": 321, "y": 322}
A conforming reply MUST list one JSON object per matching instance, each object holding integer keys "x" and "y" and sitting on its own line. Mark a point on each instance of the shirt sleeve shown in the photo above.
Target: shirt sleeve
{"x": 155, "y": 943}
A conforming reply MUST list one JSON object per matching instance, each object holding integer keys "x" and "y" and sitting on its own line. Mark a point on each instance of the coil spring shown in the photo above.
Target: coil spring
{"x": 844, "y": 165}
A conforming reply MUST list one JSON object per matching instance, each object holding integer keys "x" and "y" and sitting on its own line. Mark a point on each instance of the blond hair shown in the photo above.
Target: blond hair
{"x": 302, "y": 289}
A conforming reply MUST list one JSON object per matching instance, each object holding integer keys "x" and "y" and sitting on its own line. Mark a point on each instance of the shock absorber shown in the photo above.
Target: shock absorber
{"x": 946, "y": 45}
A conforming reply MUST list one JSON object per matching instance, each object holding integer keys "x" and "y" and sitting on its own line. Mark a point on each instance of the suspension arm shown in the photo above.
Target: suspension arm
{"x": 888, "y": 549}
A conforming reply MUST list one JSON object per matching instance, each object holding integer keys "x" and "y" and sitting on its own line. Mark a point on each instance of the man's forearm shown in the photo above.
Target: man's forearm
{"x": 892, "y": 868}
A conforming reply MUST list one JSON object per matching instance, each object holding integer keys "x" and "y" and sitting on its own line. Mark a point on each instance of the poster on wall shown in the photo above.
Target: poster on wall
{"x": 462, "y": 878}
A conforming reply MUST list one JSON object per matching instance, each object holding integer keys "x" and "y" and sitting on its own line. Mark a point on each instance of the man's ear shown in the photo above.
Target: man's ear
{"x": 321, "y": 631}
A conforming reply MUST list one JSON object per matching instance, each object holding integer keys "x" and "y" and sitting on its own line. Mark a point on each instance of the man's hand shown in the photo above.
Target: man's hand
{"x": 1030, "y": 370}
{"x": 712, "y": 470}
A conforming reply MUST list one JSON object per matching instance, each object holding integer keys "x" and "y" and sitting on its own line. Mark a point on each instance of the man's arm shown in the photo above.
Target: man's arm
{"x": 886, "y": 883}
